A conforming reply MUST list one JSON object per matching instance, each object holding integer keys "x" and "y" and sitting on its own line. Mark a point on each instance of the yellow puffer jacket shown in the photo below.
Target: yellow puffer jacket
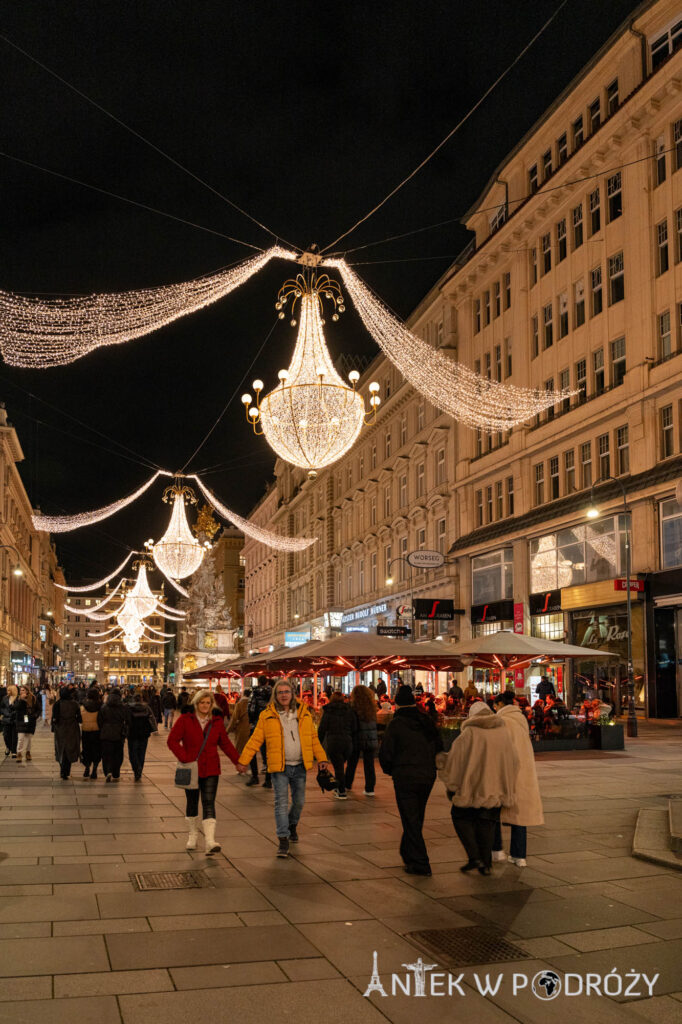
{"x": 269, "y": 731}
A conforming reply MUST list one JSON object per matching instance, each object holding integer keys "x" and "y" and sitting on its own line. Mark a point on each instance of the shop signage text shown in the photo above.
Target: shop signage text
{"x": 426, "y": 559}
{"x": 392, "y": 630}
{"x": 637, "y": 585}
{"x": 496, "y": 611}
{"x": 292, "y": 639}
{"x": 435, "y": 608}
{"x": 364, "y": 613}
{"x": 518, "y": 617}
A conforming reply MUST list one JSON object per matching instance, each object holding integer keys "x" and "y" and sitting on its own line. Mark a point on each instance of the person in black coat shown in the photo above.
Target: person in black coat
{"x": 66, "y": 720}
{"x": 408, "y": 754}
{"x": 338, "y": 734}
{"x": 112, "y": 719}
{"x": 26, "y": 712}
{"x": 545, "y": 688}
{"x": 141, "y": 724}
{"x": 258, "y": 701}
{"x": 8, "y": 712}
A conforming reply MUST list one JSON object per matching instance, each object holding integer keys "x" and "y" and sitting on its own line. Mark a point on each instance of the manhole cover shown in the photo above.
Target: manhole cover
{"x": 153, "y": 881}
{"x": 463, "y": 947}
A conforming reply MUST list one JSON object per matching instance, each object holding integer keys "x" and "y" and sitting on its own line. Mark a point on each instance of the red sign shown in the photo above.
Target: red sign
{"x": 518, "y": 618}
{"x": 637, "y": 585}
{"x": 519, "y": 678}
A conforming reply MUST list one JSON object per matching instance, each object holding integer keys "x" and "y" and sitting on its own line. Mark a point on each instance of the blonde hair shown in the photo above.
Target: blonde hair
{"x": 12, "y": 691}
{"x": 200, "y": 695}
{"x": 278, "y": 686}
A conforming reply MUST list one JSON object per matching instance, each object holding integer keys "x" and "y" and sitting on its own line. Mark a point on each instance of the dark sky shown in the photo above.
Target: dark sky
{"x": 305, "y": 115}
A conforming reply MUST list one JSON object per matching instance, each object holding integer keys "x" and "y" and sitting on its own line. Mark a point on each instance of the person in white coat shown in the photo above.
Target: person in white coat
{"x": 527, "y": 808}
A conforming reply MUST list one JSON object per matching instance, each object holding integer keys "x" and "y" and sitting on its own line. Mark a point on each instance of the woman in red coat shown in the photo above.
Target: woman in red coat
{"x": 202, "y": 717}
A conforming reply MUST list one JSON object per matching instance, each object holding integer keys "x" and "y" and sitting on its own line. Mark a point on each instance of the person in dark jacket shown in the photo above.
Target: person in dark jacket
{"x": 259, "y": 700}
{"x": 168, "y": 705}
{"x": 91, "y": 750}
{"x": 9, "y": 719}
{"x": 141, "y": 724}
{"x": 408, "y": 754}
{"x": 26, "y": 711}
{"x": 183, "y": 699}
{"x": 338, "y": 734}
{"x": 364, "y": 705}
{"x": 112, "y": 718}
{"x": 154, "y": 702}
{"x": 545, "y": 688}
{"x": 66, "y": 719}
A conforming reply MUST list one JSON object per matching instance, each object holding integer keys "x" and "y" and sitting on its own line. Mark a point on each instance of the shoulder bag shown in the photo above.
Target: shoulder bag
{"x": 187, "y": 775}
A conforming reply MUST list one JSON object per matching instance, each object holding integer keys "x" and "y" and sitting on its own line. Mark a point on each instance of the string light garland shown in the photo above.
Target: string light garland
{"x": 178, "y": 554}
{"x": 313, "y": 417}
{"x": 37, "y": 333}
{"x": 455, "y": 389}
{"x": 100, "y": 583}
{"x": 62, "y": 524}
{"x": 258, "y": 533}
{"x": 101, "y": 604}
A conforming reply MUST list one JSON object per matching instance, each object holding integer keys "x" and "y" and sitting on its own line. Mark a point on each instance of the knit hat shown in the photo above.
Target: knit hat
{"x": 404, "y": 696}
{"x": 479, "y": 707}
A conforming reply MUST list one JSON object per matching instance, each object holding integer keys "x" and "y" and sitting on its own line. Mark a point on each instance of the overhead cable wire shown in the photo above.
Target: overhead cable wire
{"x": 450, "y": 134}
{"x": 138, "y": 135}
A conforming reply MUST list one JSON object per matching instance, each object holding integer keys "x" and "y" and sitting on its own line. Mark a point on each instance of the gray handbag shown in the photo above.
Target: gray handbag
{"x": 187, "y": 775}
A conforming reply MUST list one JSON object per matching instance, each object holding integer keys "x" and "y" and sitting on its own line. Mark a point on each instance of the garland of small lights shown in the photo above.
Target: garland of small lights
{"x": 63, "y": 524}
{"x": 101, "y": 604}
{"x": 100, "y": 583}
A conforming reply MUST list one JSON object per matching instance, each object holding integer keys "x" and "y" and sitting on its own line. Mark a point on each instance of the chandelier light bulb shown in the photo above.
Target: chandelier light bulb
{"x": 178, "y": 554}
{"x": 353, "y": 376}
{"x": 246, "y": 399}
{"x": 374, "y": 387}
{"x": 283, "y": 375}
{"x": 258, "y": 385}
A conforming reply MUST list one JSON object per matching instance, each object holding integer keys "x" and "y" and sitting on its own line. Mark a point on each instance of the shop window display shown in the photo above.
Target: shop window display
{"x": 586, "y": 553}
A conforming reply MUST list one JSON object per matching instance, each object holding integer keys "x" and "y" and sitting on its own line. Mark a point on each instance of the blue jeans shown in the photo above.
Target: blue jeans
{"x": 168, "y": 717}
{"x": 293, "y": 776}
{"x": 517, "y": 846}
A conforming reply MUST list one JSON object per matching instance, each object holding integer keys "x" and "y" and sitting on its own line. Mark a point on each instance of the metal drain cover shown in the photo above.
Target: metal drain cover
{"x": 463, "y": 947}
{"x": 154, "y": 881}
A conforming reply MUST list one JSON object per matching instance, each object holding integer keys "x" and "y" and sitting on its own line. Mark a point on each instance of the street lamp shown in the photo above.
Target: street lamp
{"x": 45, "y": 616}
{"x": 16, "y": 568}
{"x": 389, "y": 583}
{"x": 593, "y": 513}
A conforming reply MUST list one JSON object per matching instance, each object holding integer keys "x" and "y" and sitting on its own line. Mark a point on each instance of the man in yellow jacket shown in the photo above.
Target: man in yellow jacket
{"x": 287, "y": 729}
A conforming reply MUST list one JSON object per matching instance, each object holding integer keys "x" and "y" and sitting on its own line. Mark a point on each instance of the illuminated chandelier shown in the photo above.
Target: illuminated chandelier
{"x": 313, "y": 417}
{"x": 140, "y": 596}
{"x": 178, "y": 554}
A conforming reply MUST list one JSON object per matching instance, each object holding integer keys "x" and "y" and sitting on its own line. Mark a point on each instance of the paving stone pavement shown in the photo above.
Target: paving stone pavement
{"x": 295, "y": 939}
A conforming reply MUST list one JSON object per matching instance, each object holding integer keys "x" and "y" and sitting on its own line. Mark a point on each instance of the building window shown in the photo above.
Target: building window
{"x": 585, "y": 553}
{"x": 440, "y": 466}
{"x": 489, "y": 504}
{"x": 569, "y": 471}
{"x": 563, "y": 315}
{"x": 387, "y": 445}
{"x": 594, "y": 111}
{"x": 578, "y": 133}
{"x": 534, "y": 337}
{"x": 547, "y": 165}
{"x": 387, "y": 500}
{"x": 612, "y": 97}
{"x": 403, "y": 431}
{"x": 671, "y": 534}
{"x": 659, "y": 161}
{"x": 533, "y": 179}
{"x": 486, "y": 308}
{"x": 562, "y": 149}
{"x": 598, "y": 367}
{"x": 677, "y": 144}
{"x": 546, "y": 249}
{"x": 579, "y": 303}
{"x": 597, "y": 298}
{"x": 667, "y": 437}
{"x": 403, "y": 555}
{"x": 561, "y": 241}
{"x": 479, "y": 441}
{"x": 577, "y": 226}
{"x": 373, "y": 511}
{"x": 479, "y": 508}
{"x": 614, "y": 195}
{"x": 622, "y": 451}
{"x": 678, "y": 235}
{"x": 402, "y": 485}
{"x": 510, "y": 495}
{"x": 595, "y": 212}
{"x": 421, "y": 539}
{"x": 564, "y": 385}
{"x": 508, "y": 356}
{"x": 616, "y": 279}
{"x": 440, "y": 536}
{"x": 498, "y": 219}
{"x": 497, "y": 299}
{"x": 586, "y": 464}
{"x": 499, "y": 501}
{"x": 533, "y": 267}
{"x": 420, "y": 416}
{"x": 349, "y": 582}
{"x": 539, "y": 483}
{"x": 373, "y": 457}
{"x": 581, "y": 380}
{"x": 603, "y": 446}
{"x": 506, "y": 281}
{"x": 477, "y": 315}
{"x": 554, "y": 478}
{"x": 488, "y": 366}
{"x": 492, "y": 577}
{"x": 548, "y": 330}
{"x": 420, "y": 480}
{"x": 662, "y": 261}
{"x": 665, "y": 347}
{"x": 549, "y": 388}
{"x": 665, "y": 44}
{"x": 617, "y": 362}
{"x": 498, "y": 363}
{"x": 373, "y": 570}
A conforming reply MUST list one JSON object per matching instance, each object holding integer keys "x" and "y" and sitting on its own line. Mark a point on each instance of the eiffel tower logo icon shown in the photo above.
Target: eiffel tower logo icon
{"x": 375, "y": 981}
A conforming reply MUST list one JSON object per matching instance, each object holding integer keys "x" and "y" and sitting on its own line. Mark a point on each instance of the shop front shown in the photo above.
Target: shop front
{"x": 665, "y": 654}
{"x": 486, "y": 619}
{"x": 547, "y": 623}
{"x": 492, "y": 609}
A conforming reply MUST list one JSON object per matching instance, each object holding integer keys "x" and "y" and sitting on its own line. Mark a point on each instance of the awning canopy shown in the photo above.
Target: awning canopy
{"x": 505, "y": 649}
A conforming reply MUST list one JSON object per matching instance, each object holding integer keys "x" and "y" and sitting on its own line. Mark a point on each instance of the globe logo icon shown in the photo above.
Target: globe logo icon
{"x": 546, "y": 985}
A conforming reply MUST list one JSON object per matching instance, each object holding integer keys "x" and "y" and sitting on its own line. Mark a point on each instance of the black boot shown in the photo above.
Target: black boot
{"x": 93, "y": 773}
{"x": 86, "y": 773}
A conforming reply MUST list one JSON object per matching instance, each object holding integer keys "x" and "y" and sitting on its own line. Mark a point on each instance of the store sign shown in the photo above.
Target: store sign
{"x": 364, "y": 613}
{"x": 20, "y": 658}
{"x": 392, "y": 630}
{"x": 636, "y": 585}
{"x": 357, "y": 629}
{"x": 547, "y": 602}
{"x": 292, "y": 639}
{"x": 426, "y": 559}
{"x": 435, "y": 608}
{"x": 496, "y": 611}
{"x": 518, "y": 617}
{"x": 602, "y": 631}
{"x": 403, "y": 610}
{"x": 519, "y": 678}
{"x": 334, "y": 619}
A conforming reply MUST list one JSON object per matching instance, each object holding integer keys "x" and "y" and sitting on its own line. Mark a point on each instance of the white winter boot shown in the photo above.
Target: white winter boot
{"x": 193, "y": 826}
{"x": 209, "y": 833}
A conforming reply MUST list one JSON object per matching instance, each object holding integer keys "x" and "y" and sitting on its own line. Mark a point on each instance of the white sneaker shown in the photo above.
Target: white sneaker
{"x": 368, "y": 794}
{"x": 519, "y": 861}
{"x": 499, "y": 855}
{"x": 340, "y": 796}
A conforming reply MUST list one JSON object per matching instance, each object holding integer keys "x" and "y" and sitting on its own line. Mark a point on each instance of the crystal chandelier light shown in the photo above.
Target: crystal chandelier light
{"x": 313, "y": 417}
{"x": 178, "y": 554}
{"x": 140, "y": 596}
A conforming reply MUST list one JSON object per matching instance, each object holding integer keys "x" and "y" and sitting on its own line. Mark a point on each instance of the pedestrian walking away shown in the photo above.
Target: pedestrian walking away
{"x": 66, "y": 719}
{"x": 260, "y": 698}
{"x": 527, "y": 808}
{"x": 408, "y": 754}
{"x": 364, "y": 705}
{"x": 338, "y": 734}
{"x": 113, "y": 719}
{"x": 141, "y": 724}
{"x": 8, "y": 712}
{"x": 27, "y": 712}
{"x": 168, "y": 706}
{"x": 287, "y": 730}
{"x": 478, "y": 773}
{"x": 240, "y": 727}
{"x": 201, "y": 724}
{"x": 91, "y": 748}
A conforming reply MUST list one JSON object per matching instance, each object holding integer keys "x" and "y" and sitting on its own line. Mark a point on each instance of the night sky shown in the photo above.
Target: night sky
{"x": 305, "y": 115}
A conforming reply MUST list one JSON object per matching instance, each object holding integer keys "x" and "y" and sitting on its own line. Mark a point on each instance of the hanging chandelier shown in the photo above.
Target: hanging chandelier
{"x": 313, "y": 417}
{"x": 178, "y": 554}
{"x": 140, "y": 596}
